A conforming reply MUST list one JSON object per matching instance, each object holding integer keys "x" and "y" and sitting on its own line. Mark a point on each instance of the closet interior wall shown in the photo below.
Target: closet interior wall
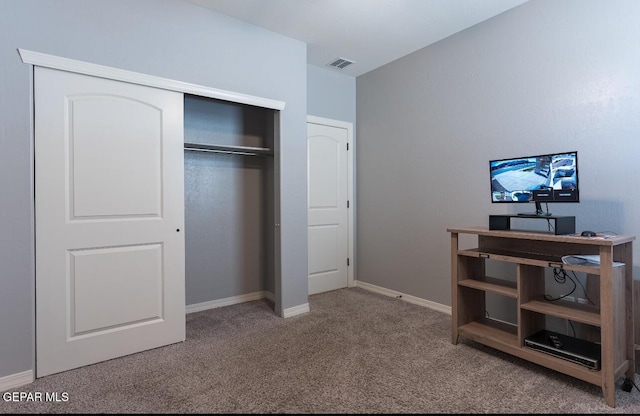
{"x": 229, "y": 201}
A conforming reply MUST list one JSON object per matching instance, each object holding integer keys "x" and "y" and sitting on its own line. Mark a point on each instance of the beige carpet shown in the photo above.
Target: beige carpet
{"x": 355, "y": 352}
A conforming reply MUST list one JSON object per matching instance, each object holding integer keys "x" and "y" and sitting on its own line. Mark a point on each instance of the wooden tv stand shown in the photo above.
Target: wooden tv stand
{"x": 533, "y": 252}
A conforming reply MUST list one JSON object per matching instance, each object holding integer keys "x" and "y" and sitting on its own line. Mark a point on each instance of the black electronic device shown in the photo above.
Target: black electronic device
{"x": 573, "y": 349}
{"x": 587, "y": 233}
{"x": 538, "y": 179}
{"x": 562, "y": 224}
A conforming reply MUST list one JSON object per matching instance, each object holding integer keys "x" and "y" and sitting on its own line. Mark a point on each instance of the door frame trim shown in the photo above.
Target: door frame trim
{"x": 351, "y": 159}
{"x": 101, "y": 71}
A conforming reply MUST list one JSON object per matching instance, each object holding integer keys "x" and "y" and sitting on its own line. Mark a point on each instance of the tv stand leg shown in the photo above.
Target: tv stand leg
{"x": 609, "y": 393}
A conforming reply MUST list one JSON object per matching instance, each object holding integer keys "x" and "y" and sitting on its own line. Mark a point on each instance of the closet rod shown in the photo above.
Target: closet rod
{"x": 234, "y": 150}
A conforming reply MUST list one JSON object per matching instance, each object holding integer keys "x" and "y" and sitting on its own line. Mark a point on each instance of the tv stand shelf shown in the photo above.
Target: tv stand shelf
{"x": 533, "y": 252}
{"x": 561, "y": 224}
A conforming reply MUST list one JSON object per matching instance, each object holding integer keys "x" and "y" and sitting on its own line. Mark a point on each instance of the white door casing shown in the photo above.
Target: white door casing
{"x": 328, "y": 196}
{"x": 109, "y": 219}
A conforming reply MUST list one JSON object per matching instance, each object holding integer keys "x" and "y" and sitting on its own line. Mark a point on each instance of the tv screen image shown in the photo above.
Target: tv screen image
{"x": 541, "y": 178}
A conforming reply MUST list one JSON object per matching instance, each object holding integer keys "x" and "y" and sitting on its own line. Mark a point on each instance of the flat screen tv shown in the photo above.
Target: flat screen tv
{"x": 542, "y": 178}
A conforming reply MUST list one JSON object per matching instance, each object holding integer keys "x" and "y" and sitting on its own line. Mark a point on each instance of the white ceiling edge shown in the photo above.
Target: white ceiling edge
{"x": 370, "y": 32}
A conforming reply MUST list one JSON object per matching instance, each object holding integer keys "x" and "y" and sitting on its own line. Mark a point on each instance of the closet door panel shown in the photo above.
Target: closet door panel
{"x": 130, "y": 277}
{"x": 109, "y": 219}
{"x": 125, "y": 142}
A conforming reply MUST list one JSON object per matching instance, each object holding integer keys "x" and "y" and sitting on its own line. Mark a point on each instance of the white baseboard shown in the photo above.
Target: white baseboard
{"x": 287, "y": 313}
{"x": 407, "y": 298}
{"x": 16, "y": 380}
{"x": 269, "y": 295}
{"x": 218, "y": 303}
{"x": 296, "y": 310}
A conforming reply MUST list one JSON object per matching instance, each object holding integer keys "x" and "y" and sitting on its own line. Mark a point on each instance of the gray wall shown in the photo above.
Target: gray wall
{"x": 166, "y": 38}
{"x": 544, "y": 77}
{"x": 331, "y": 94}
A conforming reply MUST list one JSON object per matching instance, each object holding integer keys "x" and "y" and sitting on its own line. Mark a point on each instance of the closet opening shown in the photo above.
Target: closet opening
{"x": 230, "y": 211}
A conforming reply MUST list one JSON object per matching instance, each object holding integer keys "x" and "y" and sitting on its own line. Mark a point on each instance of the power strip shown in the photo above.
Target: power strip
{"x": 577, "y": 300}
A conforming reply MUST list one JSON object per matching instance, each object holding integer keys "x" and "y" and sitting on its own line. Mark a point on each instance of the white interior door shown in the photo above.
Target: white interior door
{"x": 109, "y": 219}
{"x": 327, "y": 202}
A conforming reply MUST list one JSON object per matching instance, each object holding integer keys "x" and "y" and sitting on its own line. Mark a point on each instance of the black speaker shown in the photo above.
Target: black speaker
{"x": 499, "y": 222}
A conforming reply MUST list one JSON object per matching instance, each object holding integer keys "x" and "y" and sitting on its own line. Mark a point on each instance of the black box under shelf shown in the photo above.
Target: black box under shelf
{"x": 573, "y": 349}
{"x": 562, "y": 224}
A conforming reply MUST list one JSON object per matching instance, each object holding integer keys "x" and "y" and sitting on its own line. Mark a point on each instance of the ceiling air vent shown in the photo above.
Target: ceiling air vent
{"x": 340, "y": 63}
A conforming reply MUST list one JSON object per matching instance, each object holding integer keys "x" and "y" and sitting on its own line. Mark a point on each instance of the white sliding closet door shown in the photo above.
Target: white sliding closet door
{"x": 109, "y": 219}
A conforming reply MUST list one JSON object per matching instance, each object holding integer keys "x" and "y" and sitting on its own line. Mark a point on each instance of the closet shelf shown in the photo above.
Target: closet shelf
{"x": 235, "y": 150}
